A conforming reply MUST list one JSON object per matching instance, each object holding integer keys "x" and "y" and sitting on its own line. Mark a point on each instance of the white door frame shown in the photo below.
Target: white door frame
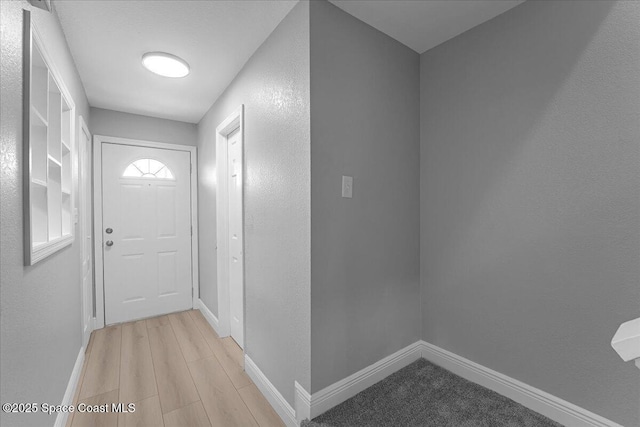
{"x": 85, "y": 229}
{"x": 231, "y": 123}
{"x": 98, "y": 140}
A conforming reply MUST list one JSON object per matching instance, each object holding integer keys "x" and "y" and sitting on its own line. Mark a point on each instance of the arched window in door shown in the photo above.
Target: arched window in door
{"x": 147, "y": 168}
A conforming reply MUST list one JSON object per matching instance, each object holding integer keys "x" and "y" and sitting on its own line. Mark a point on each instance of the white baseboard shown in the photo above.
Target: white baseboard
{"x": 568, "y": 414}
{"x": 61, "y": 418}
{"x": 273, "y": 396}
{"x": 344, "y": 389}
{"x": 213, "y": 320}
{"x": 542, "y": 402}
{"x": 302, "y": 403}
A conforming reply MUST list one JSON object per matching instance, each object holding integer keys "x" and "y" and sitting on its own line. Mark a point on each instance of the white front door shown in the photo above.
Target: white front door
{"x": 147, "y": 231}
{"x": 84, "y": 158}
{"x": 234, "y": 170}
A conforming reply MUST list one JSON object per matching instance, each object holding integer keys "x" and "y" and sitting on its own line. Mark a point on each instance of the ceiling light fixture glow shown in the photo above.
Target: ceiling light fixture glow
{"x": 165, "y": 64}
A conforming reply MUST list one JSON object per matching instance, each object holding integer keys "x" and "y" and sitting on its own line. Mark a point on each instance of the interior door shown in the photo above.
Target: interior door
{"x": 84, "y": 157}
{"x": 236, "y": 262}
{"x": 146, "y": 204}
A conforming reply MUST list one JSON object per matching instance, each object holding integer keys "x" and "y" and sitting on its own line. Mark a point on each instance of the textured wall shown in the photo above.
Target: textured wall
{"x": 134, "y": 126}
{"x": 530, "y": 200}
{"x": 365, "y": 123}
{"x": 274, "y": 88}
{"x": 208, "y": 273}
{"x": 39, "y": 305}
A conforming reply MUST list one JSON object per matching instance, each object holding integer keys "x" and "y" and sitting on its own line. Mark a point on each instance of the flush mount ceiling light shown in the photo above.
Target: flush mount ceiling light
{"x": 165, "y": 64}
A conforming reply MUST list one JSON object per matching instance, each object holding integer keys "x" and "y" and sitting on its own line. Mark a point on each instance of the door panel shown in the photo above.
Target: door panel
{"x": 236, "y": 262}
{"x": 166, "y": 215}
{"x": 147, "y": 269}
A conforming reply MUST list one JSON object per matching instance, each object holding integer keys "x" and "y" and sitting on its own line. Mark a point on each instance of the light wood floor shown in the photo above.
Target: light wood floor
{"x": 176, "y": 370}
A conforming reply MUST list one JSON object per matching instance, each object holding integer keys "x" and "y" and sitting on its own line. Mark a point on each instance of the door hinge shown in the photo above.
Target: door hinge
{"x": 192, "y": 230}
{"x": 190, "y": 167}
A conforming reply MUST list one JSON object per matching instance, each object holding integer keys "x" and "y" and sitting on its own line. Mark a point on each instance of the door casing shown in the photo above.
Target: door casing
{"x": 234, "y": 121}
{"x": 98, "y": 140}
{"x": 86, "y": 231}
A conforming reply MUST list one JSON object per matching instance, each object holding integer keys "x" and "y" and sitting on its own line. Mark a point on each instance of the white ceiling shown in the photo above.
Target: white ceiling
{"x": 107, "y": 39}
{"x": 423, "y": 24}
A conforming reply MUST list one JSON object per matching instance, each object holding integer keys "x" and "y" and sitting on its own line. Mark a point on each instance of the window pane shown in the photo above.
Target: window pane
{"x": 133, "y": 171}
{"x": 147, "y": 168}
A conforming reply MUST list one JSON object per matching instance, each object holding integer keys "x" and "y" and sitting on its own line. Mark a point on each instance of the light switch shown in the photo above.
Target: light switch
{"x": 347, "y": 186}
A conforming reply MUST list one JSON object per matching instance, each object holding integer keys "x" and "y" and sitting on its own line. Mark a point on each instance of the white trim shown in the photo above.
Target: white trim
{"x": 273, "y": 396}
{"x": 61, "y": 418}
{"x": 537, "y": 400}
{"x": 211, "y": 318}
{"x": 84, "y": 228}
{"x": 231, "y": 123}
{"x": 98, "y": 272}
{"x": 346, "y": 388}
{"x": 195, "y": 257}
{"x": 35, "y": 254}
{"x": 302, "y": 403}
{"x": 51, "y": 247}
{"x": 97, "y": 212}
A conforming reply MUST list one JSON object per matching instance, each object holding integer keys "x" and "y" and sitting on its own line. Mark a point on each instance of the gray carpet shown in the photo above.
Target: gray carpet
{"x": 424, "y": 394}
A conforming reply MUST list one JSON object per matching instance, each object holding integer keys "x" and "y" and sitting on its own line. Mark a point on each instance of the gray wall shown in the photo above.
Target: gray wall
{"x": 40, "y": 305}
{"x": 365, "y": 286}
{"x": 274, "y": 88}
{"x": 530, "y": 201}
{"x": 135, "y": 126}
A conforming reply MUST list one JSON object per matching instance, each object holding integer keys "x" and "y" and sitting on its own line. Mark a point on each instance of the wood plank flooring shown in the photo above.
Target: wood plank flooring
{"x": 176, "y": 370}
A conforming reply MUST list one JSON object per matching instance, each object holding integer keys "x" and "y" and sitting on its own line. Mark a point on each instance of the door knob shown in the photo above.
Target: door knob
{"x": 109, "y": 230}
{"x": 109, "y": 243}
